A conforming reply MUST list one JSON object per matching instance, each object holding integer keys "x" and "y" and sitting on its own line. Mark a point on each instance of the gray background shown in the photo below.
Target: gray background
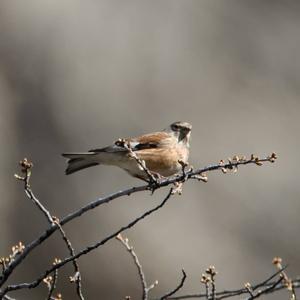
{"x": 78, "y": 74}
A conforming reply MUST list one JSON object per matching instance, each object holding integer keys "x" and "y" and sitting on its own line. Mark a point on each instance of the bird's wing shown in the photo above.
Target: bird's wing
{"x": 151, "y": 140}
{"x": 110, "y": 149}
{"x": 147, "y": 141}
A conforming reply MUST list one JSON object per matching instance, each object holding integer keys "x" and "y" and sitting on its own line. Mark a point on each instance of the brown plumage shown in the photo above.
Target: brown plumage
{"x": 160, "y": 151}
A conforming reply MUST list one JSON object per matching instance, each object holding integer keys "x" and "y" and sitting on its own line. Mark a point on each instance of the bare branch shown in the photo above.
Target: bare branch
{"x": 125, "y": 144}
{"x": 26, "y": 168}
{"x": 277, "y": 261}
{"x": 53, "y": 285}
{"x": 266, "y": 290}
{"x": 265, "y": 287}
{"x": 84, "y": 251}
{"x": 262, "y": 284}
{"x": 129, "y": 248}
{"x": 272, "y": 287}
{"x": 51, "y": 282}
{"x": 191, "y": 174}
{"x": 77, "y": 276}
{"x": 169, "y": 294}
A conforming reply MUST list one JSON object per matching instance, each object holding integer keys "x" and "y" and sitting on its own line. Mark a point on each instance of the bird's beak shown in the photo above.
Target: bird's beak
{"x": 184, "y": 133}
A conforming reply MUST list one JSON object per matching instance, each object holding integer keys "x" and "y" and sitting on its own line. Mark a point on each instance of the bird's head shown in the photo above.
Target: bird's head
{"x": 182, "y": 130}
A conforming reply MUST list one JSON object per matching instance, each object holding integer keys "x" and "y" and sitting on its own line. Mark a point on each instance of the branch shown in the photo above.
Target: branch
{"x": 265, "y": 287}
{"x": 144, "y": 284}
{"x": 51, "y": 281}
{"x": 208, "y": 279}
{"x": 277, "y": 261}
{"x": 77, "y": 276}
{"x": 129, "y": 248}
{"x": 191, "y": 174}
{"x": 169, "y": 294}
{"x": 26, "y": 167}
{"x": 19, "y": 252}
{"x": 234, "y": 293}
{"x": 53, "y": 285}
{"x": 86, "y": 250}
{"x": 126, "y": 144}
{"x": 266, "y": 290}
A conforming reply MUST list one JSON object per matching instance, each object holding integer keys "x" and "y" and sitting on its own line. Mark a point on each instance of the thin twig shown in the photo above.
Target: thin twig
{"x": 77, "y": 276}
{"x": 249, "y": 289}
{"x": 180, "y": 285}
{"x": 277, "y": 261}
{"x": 26, "y": 168}
{"x": 266, "y": 290}
{"x": 129, "y": 248}
{"x": 269, "y": 278}
{"x": 125, "y": 144}
{"x": 213, "y": 290}
{"x": 52, "y": 285}
{"x": 165, "y": 182}
{"x": 207, "y": 291}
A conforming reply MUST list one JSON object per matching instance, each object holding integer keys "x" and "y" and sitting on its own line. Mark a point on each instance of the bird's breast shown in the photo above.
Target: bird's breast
{"x": 164, "y": 160}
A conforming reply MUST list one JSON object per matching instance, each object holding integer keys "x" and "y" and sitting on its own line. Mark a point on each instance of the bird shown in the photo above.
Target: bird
{"x": 162, "y": 153}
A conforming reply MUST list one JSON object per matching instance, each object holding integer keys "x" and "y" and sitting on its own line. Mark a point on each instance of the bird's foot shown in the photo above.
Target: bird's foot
{"x": 177, "y": 189}
{"x": 155, "y": 181}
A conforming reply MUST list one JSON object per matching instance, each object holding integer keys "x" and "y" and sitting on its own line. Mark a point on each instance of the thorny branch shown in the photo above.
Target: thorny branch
{"x": 26, "y": 167}
{"x": 198, "y": 174}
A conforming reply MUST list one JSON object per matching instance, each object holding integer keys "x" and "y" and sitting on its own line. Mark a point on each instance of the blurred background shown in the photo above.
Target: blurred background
{"x": 75, "y": 75}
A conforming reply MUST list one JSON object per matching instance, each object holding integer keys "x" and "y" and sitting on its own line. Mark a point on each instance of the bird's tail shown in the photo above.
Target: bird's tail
{"x": 79, "y": 161}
